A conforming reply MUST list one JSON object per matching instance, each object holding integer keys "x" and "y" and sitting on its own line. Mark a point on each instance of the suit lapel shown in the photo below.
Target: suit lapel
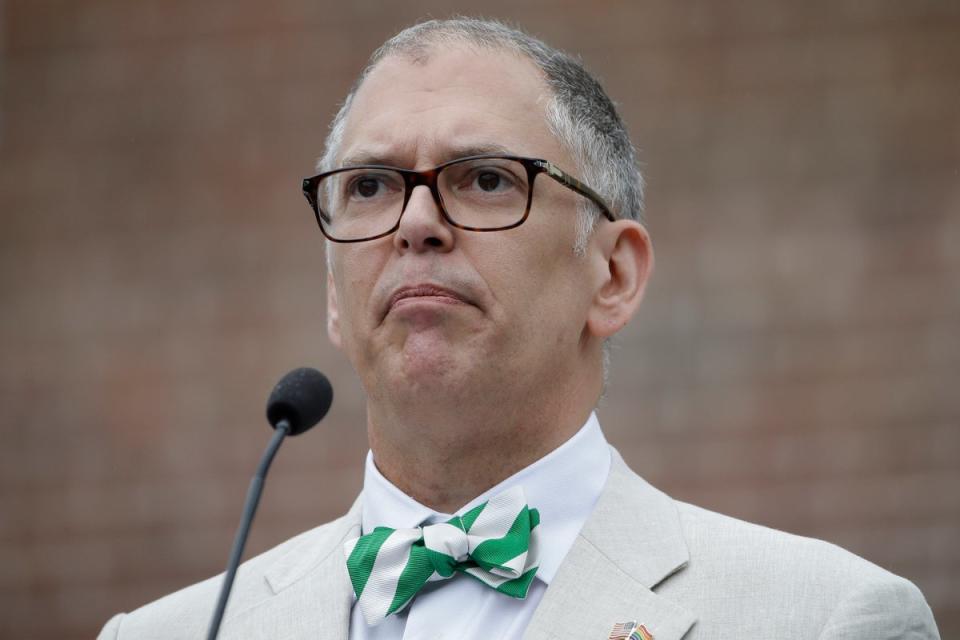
{"x": 631, "y": 543}
{"x": 313, "y": 594}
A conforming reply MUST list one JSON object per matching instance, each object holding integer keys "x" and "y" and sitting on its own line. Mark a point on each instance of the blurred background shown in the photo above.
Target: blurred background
{"x": 796, "y": 362}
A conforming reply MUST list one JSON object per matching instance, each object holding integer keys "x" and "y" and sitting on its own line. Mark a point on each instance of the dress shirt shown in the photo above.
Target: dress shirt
{"x": 564, "y": 486}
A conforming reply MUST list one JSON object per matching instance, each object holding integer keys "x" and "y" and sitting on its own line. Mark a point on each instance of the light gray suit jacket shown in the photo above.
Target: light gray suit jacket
{"x": 682, "y": 571}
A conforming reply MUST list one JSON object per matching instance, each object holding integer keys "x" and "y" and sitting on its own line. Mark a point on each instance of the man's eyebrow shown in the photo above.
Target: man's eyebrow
{"x": 362, "y": 157}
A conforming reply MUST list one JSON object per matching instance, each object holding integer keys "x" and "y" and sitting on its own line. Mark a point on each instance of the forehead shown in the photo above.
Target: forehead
{"x": 418, "y": 112}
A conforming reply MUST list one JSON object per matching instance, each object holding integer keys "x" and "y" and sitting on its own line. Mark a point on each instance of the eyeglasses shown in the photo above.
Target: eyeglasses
{"x": 476, "y": 193}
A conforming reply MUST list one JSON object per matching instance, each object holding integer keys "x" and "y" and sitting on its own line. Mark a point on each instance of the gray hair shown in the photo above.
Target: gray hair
{"x": 579, "y": 112}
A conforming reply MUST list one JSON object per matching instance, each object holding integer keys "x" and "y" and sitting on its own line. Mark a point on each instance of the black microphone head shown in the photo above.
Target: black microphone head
{"x": 302, "y": 398}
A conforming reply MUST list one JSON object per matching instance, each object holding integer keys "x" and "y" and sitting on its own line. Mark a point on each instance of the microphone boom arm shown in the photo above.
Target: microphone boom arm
{"x": 249, "y": 509}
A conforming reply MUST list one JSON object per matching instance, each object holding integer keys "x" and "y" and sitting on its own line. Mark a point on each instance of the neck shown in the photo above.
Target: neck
{"x": 443, "y": 457}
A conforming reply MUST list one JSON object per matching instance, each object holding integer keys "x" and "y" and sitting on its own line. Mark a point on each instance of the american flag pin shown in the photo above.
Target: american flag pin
{"x": 629, "y": 631}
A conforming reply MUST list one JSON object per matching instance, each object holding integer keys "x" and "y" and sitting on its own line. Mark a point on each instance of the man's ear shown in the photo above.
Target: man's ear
{"x": 627, "y": 261}
{"x": 333, "y": 312}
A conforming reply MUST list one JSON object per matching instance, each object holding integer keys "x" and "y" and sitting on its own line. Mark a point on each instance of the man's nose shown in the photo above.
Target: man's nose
{"x": 422, "y": 225}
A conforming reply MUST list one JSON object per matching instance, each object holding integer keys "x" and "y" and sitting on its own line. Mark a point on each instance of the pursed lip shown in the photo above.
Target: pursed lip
{"x": 424, "y": 290}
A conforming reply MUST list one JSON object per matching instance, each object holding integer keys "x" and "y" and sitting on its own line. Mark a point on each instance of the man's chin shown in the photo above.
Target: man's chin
{"x": 429, "y": 360}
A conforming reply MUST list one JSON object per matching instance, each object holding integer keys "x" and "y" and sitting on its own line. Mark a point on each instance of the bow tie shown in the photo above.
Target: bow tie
{"x": 495, "y": 543}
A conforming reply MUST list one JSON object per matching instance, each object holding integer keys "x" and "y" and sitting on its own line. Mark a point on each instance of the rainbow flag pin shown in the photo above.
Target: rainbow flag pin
{"x": 629, "y": 631}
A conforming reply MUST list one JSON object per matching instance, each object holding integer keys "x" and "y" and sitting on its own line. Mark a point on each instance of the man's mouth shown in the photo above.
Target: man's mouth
{"x": 424, "y": 293}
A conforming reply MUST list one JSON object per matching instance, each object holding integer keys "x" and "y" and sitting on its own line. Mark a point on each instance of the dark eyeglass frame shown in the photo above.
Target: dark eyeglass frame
{"x": 428, "y": 178}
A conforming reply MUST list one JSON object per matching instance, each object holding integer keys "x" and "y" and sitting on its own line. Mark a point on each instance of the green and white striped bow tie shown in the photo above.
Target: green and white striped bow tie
{"x": 495, "y": 543}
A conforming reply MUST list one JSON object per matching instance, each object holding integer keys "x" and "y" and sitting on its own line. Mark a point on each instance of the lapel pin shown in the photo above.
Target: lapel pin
{"x": 629, "y": 631}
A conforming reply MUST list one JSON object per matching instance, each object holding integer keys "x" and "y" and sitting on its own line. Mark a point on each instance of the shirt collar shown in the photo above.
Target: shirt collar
{"x": 564, "y": 485}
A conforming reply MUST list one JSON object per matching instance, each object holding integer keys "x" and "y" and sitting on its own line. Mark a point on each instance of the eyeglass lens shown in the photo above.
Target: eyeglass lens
{"x": 483, "y": 193}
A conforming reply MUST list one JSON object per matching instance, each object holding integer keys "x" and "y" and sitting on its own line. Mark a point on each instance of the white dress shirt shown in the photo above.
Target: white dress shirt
{"x": 564, "y": 486}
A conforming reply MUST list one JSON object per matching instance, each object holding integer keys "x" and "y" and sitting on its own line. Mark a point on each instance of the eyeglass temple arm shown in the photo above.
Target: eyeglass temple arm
{"x": 570, "y": 182}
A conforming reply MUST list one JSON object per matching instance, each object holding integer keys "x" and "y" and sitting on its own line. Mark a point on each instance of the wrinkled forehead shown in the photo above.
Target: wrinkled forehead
{"x": 430, "y": 105}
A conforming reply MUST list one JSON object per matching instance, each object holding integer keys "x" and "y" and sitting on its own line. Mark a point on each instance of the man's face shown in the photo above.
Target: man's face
{"x": 437, "y": 310}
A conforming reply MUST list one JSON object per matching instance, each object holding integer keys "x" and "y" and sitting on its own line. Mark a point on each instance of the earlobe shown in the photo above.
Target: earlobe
{"x": 333, "y": 312}
{"x": 628, "y": 262}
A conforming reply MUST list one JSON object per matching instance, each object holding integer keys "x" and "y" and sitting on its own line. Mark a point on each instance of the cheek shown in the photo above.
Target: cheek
{"x": 358, "y": 268}
{"x": 352, "y": 292}
{"x": 559, "y": 286}
{"x": 540, "y": 286}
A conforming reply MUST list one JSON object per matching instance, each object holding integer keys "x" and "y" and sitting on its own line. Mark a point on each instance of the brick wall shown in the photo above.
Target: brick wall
{"x": 796, "y": 362}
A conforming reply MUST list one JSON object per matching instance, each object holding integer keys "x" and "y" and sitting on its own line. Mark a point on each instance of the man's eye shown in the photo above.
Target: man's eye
{"x": 365, "y": 187}
{"x": 489, "y": 181}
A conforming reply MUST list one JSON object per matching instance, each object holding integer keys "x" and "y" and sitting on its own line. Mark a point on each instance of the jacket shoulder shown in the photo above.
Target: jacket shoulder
{"x": 186, "y": 613}
{"x": 786, "y": 583}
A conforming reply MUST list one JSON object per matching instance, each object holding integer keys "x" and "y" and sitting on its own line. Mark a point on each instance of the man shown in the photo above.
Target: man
{"x": 481, "y": 199}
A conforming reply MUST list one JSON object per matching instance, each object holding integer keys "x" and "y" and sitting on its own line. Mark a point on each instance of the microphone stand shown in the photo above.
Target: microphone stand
{"x": 249, "y": 509}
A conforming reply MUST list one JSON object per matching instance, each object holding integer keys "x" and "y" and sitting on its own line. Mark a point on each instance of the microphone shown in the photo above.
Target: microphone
{"x": 299, "y": 401}
{"x": 302, "y": 398}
